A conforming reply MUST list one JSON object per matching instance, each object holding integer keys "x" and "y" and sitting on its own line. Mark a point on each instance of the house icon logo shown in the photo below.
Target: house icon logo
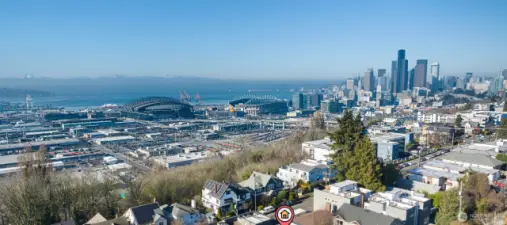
{"x": 284, "y": 214}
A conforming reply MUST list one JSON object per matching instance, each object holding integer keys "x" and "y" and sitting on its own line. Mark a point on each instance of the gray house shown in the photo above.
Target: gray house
{"x": 262, "y": 183}
{"x": 352, "y": 215}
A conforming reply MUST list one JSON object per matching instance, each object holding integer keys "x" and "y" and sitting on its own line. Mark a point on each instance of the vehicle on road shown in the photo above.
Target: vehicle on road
{"x": 267, "y": 210}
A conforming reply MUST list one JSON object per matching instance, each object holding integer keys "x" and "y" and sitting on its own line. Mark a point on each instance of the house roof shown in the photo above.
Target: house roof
{"x": 96, "y": 219}
{"x": 68, "y": 222}
{"x": 116, "y": 221}
{"x": 478, "y": 159}
{"x": 179, "y": 210}
{"x": 417, "y": 186}
{"x": 314, "y": 218}
{"x": 257, "y": 180}
{"x": 144, "y": 213}
{"x": 352, "y": 213}
{"x": 221, "y": 188}
{"x": 306, "y": 167}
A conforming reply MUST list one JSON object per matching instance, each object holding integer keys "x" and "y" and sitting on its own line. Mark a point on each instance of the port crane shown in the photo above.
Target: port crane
{"x": 197, "y": 99}
{"x": 187, "y": 96}
{"x": 182, "y": 97}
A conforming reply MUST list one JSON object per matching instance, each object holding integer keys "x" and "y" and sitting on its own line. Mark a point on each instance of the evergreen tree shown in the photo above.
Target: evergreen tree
{"x": 502, "y": 133}
{"x": 318, "y": 121}
{"x": 390, "y": 174}
{"x": 344, "y": 140}
{"x": 366, "y": 169}
{"x": 457, "y": 125}
{"x": 458, "y": 121}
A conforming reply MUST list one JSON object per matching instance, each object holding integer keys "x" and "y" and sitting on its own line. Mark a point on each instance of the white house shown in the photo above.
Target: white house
{"x": 307, "y": 171}
{"x": 219, "y": 196}
{"x": 319, "y": 149}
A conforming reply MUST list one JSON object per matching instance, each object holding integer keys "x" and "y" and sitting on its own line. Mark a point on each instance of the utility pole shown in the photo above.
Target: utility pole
{"x": 460, "y": 195}
{"x": 255, "y": 193}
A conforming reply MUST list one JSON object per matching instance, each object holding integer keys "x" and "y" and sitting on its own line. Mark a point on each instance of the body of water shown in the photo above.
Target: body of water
{"x": 75, "y": 95}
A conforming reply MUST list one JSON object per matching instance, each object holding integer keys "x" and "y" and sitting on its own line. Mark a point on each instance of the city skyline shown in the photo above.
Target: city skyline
{"x": 238, "y": 40}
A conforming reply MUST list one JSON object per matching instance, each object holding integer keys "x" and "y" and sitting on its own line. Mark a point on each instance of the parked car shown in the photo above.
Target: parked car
{"x": 267, "y": 210}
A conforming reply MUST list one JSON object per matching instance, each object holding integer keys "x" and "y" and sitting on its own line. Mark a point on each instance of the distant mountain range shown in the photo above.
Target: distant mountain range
{"x": 17, "y": 93}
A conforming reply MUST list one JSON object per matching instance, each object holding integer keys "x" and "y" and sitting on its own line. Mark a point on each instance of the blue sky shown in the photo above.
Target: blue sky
{"x": 257, "y": 39}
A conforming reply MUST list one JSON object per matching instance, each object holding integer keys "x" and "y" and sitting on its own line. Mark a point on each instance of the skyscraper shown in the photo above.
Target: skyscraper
{"x": 382, "y": 80}
{"x": 381, "y": 72}
{"x": 504, "y": 73}
{"x": 435, "y": 77}
{"x": 411, "y": 79}
{"x": 468, "y": 77}
{"x": 460, "y": 83}
{"x": 394, "y": 77}
{"x": 407, "y": 79}
{"x": 420, "y": 73}
{"x": 369, "y": 80}
{"x": 400, "y": 79}
{"x": 350, "y": 84}
{"x": 298, "y": 101}
{"x": 435, "y": 70}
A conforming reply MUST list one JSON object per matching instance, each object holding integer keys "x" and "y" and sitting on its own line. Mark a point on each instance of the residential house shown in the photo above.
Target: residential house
{"x": 185, "y": 215}
{"x": 100, "y": 220}
{"x": 262, "y": 183}
{"x": 353, "y": 215}
{"x": 319, "y": 149}
{"x": 141, "y": 215}
{"x": 306, "y": 171}
{"x": 219, "y": 196}
{"x": 159, "y": 215}
{"x": 470, "y": 127}
{"x": 337, "y": 194}
{"x": 405, "y": 205}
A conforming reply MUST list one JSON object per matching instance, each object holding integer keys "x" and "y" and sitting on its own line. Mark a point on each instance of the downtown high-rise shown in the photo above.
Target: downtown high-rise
{"x": 369, "y": 80}
{"x": 399, "y": 71}
{"x": 435, "y": 77}
{"x": 382, "y": 79}
{"x": 420, "y": 73}
{"x": 394, "y": 76}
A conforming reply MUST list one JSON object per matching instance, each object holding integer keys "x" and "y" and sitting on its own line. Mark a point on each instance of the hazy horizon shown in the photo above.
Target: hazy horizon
{"x": 259, "y": 40}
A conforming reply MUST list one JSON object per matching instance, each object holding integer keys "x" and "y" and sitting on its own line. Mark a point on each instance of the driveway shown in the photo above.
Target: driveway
{"x": 306, "y": 204}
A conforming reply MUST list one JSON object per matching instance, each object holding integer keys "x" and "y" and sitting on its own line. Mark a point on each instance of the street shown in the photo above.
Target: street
{"x": 123, "y": 157}
{"x": 306, "y": 204}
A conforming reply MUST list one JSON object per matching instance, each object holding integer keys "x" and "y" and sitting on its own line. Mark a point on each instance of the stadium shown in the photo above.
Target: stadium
{"x": 152, "y": 108}
{"x": 260, "y": 105}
